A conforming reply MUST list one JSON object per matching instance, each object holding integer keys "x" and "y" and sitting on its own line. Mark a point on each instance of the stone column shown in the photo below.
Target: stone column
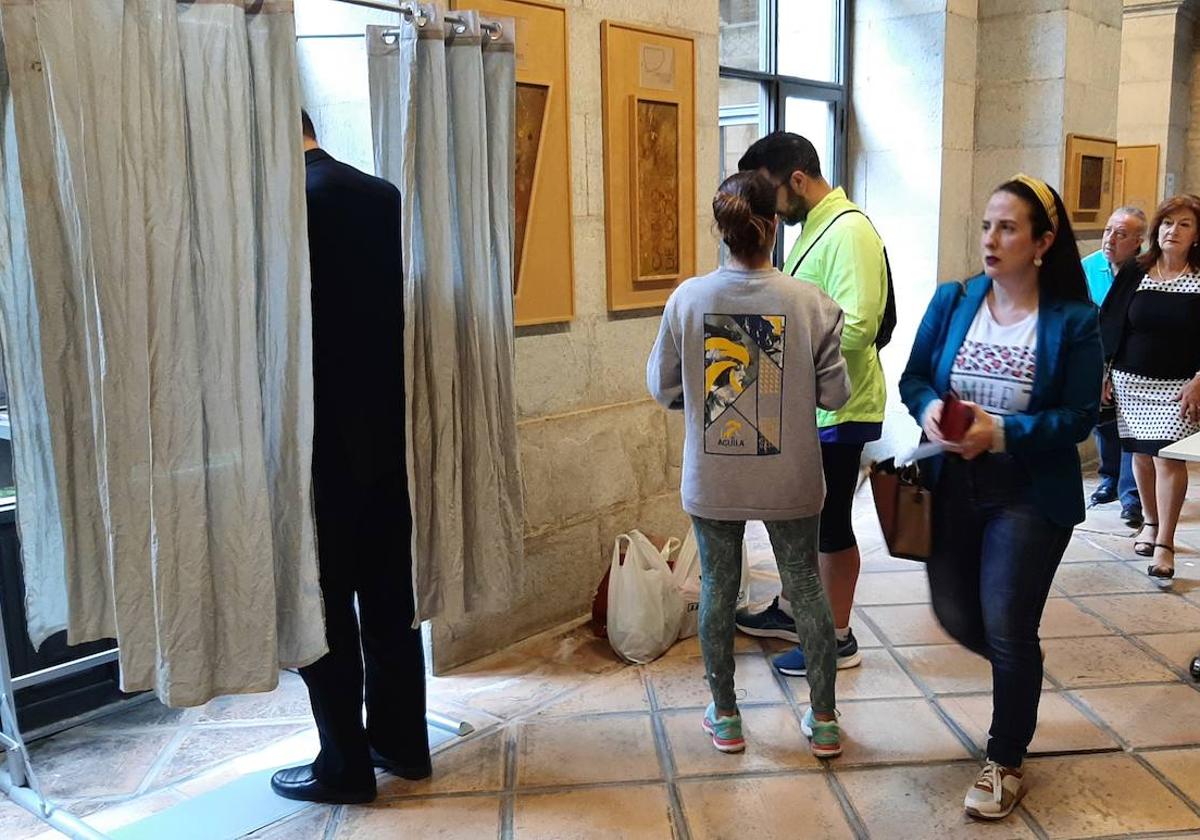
{"x": 1045, "y": 69}
{"x": 1155, "y": 93}
{"x": 898, "y": 163}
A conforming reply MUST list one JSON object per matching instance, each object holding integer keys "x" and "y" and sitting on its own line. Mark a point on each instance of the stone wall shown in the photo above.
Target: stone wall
{"x": 1045, "y": 69}
{"x": 598, "y": 456}
{"x": 1155, "y": 91}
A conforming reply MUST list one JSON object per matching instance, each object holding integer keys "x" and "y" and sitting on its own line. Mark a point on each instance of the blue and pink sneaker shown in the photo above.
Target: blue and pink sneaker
{"x": 726, "y": 731}
{"x": 824, "y": 736}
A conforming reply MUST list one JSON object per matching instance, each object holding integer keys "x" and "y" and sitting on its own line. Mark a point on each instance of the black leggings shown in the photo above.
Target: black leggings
{"x": 840, "y": 463}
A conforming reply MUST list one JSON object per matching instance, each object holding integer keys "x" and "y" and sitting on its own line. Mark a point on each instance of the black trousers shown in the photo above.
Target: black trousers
{"x": 364, "y": 550}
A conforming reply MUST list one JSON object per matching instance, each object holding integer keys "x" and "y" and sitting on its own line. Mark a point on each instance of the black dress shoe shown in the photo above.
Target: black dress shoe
{"x": 1131, "y": 515}
{"x": 1196, "y": 669}
{"x": 299, "y": 783}
{"x": 413, "y": 771}
{"x": 1105, "y": 493}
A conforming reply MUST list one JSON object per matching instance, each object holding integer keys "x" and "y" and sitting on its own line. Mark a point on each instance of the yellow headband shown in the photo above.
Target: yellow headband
{"x": 1042, "y": 190}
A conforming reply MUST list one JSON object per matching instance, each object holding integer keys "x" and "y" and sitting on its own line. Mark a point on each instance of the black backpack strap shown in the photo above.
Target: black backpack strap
{"x": 888, "y": 322}
{"x": 824, "y": 230}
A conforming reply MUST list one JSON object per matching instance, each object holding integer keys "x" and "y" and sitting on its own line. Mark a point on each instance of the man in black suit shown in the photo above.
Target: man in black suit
{"x": 360, "y": 487}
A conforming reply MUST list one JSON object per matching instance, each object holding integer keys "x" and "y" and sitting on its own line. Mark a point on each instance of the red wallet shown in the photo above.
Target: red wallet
{"x": 957, "y": 417}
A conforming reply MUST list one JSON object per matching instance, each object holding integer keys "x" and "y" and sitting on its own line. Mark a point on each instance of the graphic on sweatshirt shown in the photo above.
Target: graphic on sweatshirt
{"x": 743, "y": 384}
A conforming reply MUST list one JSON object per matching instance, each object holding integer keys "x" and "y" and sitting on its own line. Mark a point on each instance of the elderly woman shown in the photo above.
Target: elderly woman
{"x": 1020, "y": 344}
{"x": 1150, "y": 331}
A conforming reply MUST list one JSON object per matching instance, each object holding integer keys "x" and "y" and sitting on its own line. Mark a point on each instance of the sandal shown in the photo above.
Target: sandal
{"x": 1145, "y": 548}
{"x": 1156, "y": 571}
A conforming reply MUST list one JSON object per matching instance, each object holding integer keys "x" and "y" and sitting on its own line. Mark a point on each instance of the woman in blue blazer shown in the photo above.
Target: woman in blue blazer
{"x": 1021, "y": 344}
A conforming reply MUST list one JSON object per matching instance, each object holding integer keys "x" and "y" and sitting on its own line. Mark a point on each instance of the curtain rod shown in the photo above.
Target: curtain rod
{"x": 414, "y": 13}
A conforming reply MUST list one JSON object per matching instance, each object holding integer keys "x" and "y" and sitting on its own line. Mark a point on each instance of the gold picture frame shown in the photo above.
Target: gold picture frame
{"x": 544, "y": 238}
{"x": 649, "y": 89}
{"x": 1088, "y": 181}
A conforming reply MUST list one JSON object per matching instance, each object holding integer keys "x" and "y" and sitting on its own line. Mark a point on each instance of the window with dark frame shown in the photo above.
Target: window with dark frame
{"x": 784, "y": 66}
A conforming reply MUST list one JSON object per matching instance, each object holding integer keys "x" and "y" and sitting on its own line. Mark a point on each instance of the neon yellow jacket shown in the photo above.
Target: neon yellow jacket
{"x": 847, "y": 264}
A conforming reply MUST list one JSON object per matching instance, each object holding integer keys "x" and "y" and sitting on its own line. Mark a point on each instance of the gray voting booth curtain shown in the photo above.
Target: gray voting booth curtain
{"x": 442, "y": 108}
{"x": 155, "y": 316}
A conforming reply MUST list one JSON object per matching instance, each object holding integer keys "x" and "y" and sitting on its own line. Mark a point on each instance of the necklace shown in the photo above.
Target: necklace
{"x": 1162, "y": 279}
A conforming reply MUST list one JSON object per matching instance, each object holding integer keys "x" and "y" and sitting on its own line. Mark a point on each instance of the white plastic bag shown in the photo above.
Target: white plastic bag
{"x": 644, "y": 607}
{"x": 686, "y": 575}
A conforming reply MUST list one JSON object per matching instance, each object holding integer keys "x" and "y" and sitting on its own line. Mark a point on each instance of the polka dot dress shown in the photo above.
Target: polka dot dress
{"x": 1147, "y": 412}
{"x": 1148, "y": 415}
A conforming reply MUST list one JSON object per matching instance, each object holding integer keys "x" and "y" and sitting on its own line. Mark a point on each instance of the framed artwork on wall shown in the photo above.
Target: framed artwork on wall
{"x": 543, "y": 253}
{"x": 649, "y": 162}
{"x": 1137, "y": 178}
{"x": 1088, "y": 181}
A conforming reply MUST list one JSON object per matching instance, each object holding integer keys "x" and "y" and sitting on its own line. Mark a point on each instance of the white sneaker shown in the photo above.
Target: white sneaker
{"x": 995, "y": 793}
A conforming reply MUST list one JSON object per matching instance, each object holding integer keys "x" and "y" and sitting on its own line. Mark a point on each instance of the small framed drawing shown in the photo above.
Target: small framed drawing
{"x": 1089, "y": 181}
{"x": 649, "y": 86}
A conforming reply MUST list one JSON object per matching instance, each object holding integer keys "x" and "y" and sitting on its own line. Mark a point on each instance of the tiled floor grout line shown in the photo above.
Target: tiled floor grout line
{"x": 826, "y": 768}
{"x": 1069, "y": 692}
{"x": 680, "y": 830}
{"x": 1095, "y": 718}
{"x": 335, "y": 822}
{"x": 927, "y": 693}
{"x": 1171, "y": 786}
{"x": 1129, "y": 749}
{"x": 532, "y": 790}
{"x": 1133, "y": 639}
{"x": 508, "y": 794}
{"x": 507, "y": 806}
{"x": 162, "y": 760}
{"x": 853, "y": 819}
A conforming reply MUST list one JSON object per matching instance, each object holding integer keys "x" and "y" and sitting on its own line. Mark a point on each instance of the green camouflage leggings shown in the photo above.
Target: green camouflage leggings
{"x": 795, "y": 544}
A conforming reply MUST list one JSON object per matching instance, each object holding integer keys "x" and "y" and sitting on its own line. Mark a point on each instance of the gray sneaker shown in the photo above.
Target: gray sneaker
{"x": 772, "y": 623}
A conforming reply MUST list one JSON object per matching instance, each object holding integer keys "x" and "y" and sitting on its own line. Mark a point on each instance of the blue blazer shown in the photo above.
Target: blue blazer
{"x": 1063, "y": 407}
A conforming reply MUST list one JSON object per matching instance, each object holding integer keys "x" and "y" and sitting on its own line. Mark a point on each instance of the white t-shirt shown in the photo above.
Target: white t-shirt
{"x": 996, "y": 364}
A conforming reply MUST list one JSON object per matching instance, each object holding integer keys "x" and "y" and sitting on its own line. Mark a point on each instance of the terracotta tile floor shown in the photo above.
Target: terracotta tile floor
{"x": 571, "y": 744}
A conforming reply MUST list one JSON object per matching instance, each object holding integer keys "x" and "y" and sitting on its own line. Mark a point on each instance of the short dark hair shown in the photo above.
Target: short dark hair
{"x": 781, "y": 153}
{"x": 307, "y": 125}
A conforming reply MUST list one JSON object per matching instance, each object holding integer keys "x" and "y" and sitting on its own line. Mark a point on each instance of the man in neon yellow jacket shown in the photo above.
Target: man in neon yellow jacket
{"x": 840, "y": 252}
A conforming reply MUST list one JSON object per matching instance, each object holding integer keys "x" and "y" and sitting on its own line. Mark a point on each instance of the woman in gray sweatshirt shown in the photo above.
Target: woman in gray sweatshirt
{"x": 749, "y": 354}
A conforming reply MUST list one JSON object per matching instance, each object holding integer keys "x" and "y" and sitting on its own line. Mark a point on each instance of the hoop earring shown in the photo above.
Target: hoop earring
{"x": 1037, "y": 261}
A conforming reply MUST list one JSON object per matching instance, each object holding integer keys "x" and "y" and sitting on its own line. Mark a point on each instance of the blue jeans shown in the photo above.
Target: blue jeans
{"x": 1117, "y": 465}
{"x": 994, "y": 557}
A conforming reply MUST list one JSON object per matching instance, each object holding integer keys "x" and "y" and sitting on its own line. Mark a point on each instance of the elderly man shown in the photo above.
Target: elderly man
{"x": 1122, "y": 241}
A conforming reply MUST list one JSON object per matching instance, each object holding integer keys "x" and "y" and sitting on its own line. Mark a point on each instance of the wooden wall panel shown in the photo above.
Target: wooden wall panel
{"x": 649, "y": 163}
{"x": 1137, "y": 184}
{"x": 544, "y": 273}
